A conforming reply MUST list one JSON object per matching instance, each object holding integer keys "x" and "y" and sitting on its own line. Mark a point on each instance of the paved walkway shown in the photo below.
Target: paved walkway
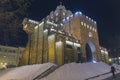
{"x": 111, "y": 78}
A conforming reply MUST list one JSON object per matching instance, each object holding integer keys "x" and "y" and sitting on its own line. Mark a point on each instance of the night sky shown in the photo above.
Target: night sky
{"x": 105, "y": 12}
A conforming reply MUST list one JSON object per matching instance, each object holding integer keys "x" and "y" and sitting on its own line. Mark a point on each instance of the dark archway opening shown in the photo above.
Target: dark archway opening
{"x": 89, "y": 54}
{"x": 79, "y": 55}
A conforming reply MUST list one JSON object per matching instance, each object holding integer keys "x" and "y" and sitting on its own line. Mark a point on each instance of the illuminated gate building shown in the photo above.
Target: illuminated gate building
{"x": 61, "y": 37}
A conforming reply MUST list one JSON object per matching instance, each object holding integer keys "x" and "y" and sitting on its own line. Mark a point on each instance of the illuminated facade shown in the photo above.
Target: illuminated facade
{"x": 61, "y": 37}
{"x": 104, "y": 54}
{"x": 9, "y": 56}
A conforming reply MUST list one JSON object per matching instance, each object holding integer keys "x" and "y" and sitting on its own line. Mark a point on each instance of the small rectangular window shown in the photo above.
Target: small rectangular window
{"x": 69, "y": 46}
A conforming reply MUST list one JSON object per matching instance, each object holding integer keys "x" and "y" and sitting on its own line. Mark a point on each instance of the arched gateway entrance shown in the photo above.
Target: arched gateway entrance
{"x": 90, "y": 49}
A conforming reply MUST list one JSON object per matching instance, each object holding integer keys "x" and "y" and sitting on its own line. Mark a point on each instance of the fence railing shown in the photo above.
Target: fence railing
{"x": 97, "y": 76}
{"x": 45, "y": 73}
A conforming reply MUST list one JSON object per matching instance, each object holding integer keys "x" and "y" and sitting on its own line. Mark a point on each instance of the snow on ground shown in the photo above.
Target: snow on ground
{"x": 74, "y": 71}
{"x": 27, "y": 72}
{"x": 71, "y": 71}
{"x": 4, "y": 71}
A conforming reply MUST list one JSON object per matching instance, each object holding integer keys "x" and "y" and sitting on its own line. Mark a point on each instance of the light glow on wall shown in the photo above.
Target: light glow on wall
{"x": 92, "y": 20}
{"x": 95, "y": 30}
{"x": 53, "y": 29}
{"x": 71, "y": 16}
{"x": 41, "y": 23}
{"x": 78, "y": 13}
{"x": 77, "y": 44}
{"x": 36, "y": 27}
{"x": 51, "y": 23}
{"x": 61, "y": 24}
{"x": 4, "y": 56}
{"x": 56, "y": 14}
{"x": 110, "y": 60}
{"x": 102, "y": 51}
{"x": 1, "y": 63}
{"x": 45, "y": 30}
{"x": 106, "y": 52}
{"x": 63, "y": 13}
{"x": 63, "y": 20}
{"x": 69, "y": 42}
{"x": 95, "y": 22}
{"x": 68, "y": 18}
{"x": 25, "y": 26}
{"x": 32, "y": 21}
{"x": 60, "y": 32}
{"x": 59, "y": 43}
{"x": 87, "y": 17}
{"x": 82, "y": 23}
{"x": 94, "y": 61}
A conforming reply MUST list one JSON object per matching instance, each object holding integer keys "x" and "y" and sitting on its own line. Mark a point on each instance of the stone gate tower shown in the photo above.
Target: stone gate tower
{"x": 61, "y": 37}
{"x": 84, "y": 29}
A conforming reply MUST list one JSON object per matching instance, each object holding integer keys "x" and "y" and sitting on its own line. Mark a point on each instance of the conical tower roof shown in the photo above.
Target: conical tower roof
{"x": 59, "y": 14}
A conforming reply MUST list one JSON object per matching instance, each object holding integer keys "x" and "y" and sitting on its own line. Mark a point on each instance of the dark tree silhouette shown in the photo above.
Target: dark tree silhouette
{"x": 12, "y": 12}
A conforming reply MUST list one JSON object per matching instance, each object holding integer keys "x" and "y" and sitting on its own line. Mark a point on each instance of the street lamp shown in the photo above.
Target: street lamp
{"x": 4, "y": 65}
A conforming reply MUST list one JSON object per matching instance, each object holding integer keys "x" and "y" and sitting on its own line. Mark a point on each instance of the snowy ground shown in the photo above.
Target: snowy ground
{"x": 28, "y": 72}
{"x": 71, "y": 71}
{"x": 79, "y": 71}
